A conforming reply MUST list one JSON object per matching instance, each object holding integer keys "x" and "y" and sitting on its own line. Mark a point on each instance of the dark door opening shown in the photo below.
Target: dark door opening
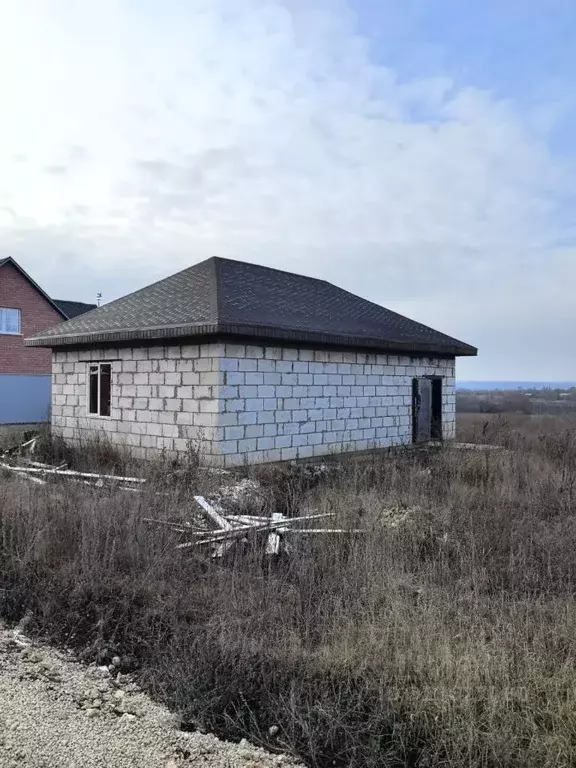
{"x": 426, "y": 409}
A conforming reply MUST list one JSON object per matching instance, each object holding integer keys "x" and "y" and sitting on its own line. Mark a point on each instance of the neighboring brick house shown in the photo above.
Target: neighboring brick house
{"x": 25, "y": 372}
{"x": 253, "y": 364}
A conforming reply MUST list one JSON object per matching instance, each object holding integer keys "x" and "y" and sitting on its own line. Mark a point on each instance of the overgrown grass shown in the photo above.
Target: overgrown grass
{"x": 444, "y": 637}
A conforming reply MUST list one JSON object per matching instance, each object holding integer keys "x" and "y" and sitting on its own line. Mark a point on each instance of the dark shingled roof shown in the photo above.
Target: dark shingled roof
{"x": 222, "y": 297}
{"x": 73, "y": 308}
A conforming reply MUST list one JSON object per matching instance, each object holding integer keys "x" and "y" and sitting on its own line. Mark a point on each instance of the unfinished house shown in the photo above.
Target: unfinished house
{"x": 244, "y": 363}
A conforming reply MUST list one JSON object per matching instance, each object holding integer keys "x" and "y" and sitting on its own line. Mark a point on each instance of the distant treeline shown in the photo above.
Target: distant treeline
{"x": 538, "y": 401}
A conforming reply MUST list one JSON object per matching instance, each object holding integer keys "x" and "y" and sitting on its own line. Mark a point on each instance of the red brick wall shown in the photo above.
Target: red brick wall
{"x": 37, "y": 315}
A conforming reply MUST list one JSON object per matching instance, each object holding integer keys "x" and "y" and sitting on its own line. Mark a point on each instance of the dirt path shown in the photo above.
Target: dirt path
{"x": 57, "y": 713}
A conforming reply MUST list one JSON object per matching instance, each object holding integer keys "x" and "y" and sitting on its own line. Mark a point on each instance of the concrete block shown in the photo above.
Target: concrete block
{"x": 214, "y": 350}
{"x": 305, "y": 452}
{"x": 173, "y": 378}
{"x": 189, "y": 379}
{"x": 271, "y": 429}
{"x": 229, "y": 364}
{"x": 202, "y": 364}
{"x": 247, "y": 445}
{"x": 234, "y": 350}
{"x": 190, "y": 351}
{"x": 255, "y": 404}
{"x": 204, "y": 419}
{"x": 211, "y": 378}
{"x": 154, "y": 429}
{"x": 234, "y": 433}
{"x": 184, "y": 366}
{"x": 244, "y": 417}
{"x": 235, "y": 378}
{"x": 247, "y": 365}
{"x": 254, "y": 379}
{"x": 235, "y": 405}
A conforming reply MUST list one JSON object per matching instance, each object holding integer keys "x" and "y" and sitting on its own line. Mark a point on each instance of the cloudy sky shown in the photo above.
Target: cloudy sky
{"x": 421, "y": 154}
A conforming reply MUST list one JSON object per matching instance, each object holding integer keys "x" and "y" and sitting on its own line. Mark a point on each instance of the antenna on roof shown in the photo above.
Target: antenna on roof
{"x": 98, "y": 298}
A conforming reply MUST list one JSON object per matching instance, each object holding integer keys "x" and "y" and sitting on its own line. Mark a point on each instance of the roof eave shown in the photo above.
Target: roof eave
{"x": 147, "y": 335}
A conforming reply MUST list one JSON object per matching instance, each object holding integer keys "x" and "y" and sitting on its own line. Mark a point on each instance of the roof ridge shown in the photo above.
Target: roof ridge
{"x": 215, "y": 295}
{"x": 271, "y": 269}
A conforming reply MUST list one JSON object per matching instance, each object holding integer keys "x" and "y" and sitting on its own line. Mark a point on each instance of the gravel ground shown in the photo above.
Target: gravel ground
{"x": 58, "y": 713}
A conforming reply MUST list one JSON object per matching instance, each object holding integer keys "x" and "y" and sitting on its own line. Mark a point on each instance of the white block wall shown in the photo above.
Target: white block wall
{"x": 250, "y": 403}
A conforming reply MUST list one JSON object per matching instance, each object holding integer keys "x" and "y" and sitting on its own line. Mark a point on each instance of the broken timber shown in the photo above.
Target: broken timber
{"x": 38, "y": 472}
{"x": 234, "y": 528}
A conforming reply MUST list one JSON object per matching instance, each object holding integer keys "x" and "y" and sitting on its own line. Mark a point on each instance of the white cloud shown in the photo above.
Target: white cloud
{"x": 139, "y": 138}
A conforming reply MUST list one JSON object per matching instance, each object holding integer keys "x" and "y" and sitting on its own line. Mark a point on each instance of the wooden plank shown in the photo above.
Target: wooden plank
{"x": 72, "y": 473}
{"x": 237, "y": 532}
{"x": 32, "y": 479}
{"x": 326, "y": 530}
{"x": 42, "y": 465}
{"x": 215, "y": 516}
{"x": 248, "y": 519}
{"x": 273, "y": 542}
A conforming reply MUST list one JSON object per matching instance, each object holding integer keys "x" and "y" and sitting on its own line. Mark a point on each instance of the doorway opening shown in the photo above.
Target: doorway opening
{"x": 426, "y": 409}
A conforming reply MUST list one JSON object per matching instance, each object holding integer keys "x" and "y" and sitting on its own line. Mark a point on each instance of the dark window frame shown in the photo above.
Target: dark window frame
{"x": 99, "y": 390}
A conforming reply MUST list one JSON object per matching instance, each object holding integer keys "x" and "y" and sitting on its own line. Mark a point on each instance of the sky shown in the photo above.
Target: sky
{"x": 419, "y": 154}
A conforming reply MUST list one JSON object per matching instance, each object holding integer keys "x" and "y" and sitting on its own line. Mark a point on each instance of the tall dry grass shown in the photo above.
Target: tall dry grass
{"x": 445, "y": 637}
